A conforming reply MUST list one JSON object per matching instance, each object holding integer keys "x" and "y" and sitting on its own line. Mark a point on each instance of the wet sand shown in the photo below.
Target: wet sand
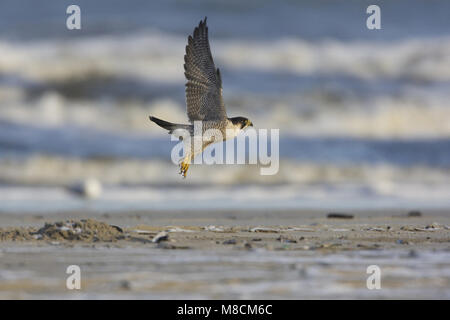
{"x": 220, "y": 254}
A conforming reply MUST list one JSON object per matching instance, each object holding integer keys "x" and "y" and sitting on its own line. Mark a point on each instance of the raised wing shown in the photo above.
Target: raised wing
{"x": 204, "y": 85}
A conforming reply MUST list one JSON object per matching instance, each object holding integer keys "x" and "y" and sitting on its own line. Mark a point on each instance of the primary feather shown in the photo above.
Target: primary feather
{"x": 204, "y": 85}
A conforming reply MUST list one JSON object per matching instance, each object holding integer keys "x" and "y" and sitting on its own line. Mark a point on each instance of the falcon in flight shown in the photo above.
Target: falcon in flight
{"x": 204, "y": 100}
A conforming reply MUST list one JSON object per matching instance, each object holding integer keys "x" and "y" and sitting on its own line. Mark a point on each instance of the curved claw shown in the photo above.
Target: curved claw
{"x": 184, "y": 166}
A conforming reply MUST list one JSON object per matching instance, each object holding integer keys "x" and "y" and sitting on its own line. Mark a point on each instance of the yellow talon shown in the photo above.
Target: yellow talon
{"x": 184, "y": 166}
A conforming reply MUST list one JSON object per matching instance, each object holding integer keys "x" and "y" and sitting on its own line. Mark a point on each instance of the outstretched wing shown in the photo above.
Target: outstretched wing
{"x": 204, "y": 85}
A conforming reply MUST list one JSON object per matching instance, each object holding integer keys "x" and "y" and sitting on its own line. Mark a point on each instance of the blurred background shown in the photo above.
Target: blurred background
{"x": 364, "y": 115}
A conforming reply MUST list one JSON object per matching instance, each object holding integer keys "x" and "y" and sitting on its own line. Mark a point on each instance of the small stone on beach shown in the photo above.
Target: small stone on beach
{"x": 162, "y": 236}
{"x": 264, "y": 229}
{"x": 337, "y": 215}
{"x": 230, "y": 241}
{"x": 414, "y": 213}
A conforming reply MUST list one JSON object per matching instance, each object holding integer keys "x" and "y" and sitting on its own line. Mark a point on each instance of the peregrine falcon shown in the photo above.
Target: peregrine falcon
{"x": 204, "y": 100}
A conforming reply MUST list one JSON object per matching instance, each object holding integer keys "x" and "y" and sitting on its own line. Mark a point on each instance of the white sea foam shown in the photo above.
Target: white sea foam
{"x": 81, "y": 108}
{"x": 158, "y": 56}
{"x": 386, "y": 118}
{"x": 289, "y": 197}
{"x": 415, "y": 104}
{"x": 417, "y": 59}
{"x": 419, "y": 182}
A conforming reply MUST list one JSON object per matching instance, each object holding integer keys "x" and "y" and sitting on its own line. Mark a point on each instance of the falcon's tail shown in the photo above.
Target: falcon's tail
{"x": 169, "y": 125}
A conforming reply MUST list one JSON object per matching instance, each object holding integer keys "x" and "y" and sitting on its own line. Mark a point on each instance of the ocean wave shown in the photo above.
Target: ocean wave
{"x": 382, "y": 117}
{"x": 138, "y": 185}
{"x": 359, "y": 89}
{"x": 414, "y": 59}
{"x": 47, "y": 169}
{"x": 87, "y": 143}
{"x": 159, "y": 56}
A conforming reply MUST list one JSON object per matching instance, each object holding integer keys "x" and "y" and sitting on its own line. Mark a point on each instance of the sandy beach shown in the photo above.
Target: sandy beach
{"x": 226, "y": 255}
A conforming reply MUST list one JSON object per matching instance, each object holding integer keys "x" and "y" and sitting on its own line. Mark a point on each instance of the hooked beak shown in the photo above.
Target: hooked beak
{"x": 249, "y": 124}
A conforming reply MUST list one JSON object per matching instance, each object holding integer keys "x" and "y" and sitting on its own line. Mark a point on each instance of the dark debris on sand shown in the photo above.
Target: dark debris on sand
{"x": 338, "y": 215}
{"x": 85, "y": 230}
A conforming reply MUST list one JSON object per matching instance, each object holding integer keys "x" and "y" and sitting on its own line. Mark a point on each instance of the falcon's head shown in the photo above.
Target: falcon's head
{"x": 241, "y": 122}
